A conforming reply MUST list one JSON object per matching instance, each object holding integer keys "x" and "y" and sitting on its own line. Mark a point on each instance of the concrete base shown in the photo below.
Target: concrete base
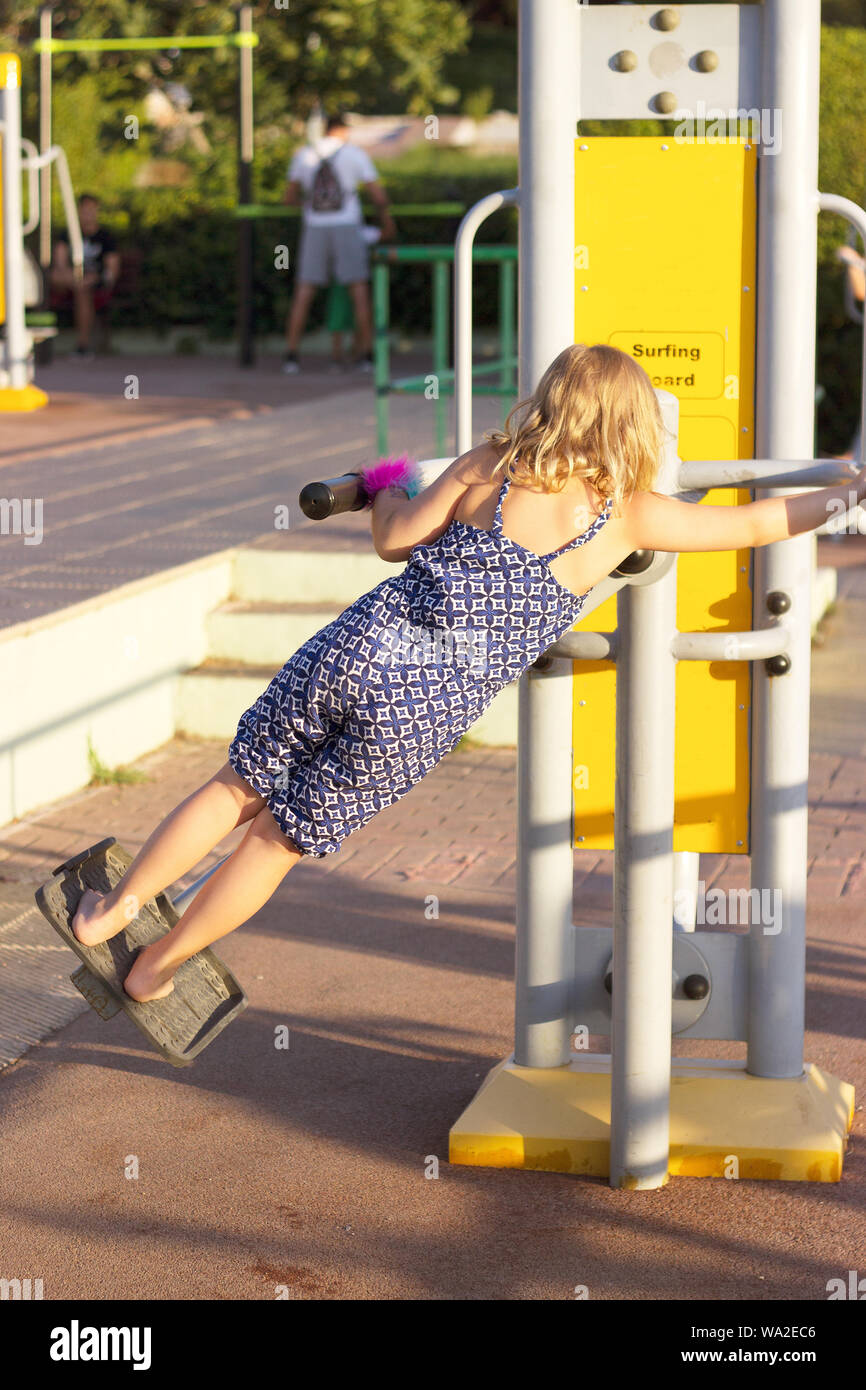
{"x": 22, "y": 398}
{"x": 724, "y": 1122}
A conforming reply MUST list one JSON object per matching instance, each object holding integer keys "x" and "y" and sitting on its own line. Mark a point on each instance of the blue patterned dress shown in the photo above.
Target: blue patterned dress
{"x": 372, "y": 702}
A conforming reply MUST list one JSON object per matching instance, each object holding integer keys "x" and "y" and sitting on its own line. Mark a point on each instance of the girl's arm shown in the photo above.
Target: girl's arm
{"x": 398, "y": 523}
{"x": 656, "y": 522}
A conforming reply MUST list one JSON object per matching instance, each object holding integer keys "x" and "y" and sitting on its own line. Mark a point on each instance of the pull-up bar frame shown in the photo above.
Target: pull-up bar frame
{"x": 244, "y": 40}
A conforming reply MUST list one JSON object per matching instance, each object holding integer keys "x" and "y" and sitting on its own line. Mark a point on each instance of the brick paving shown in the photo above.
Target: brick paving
{"x": 89, "y": 403}
{"x": 392, "y": 965}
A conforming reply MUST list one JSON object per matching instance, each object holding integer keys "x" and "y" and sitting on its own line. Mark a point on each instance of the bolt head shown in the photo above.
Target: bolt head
{"x": 707, "y": 60}
{"x": 666, "y": 19}
{"x": 665, "y": 103}
{"x": 696, "y": 987}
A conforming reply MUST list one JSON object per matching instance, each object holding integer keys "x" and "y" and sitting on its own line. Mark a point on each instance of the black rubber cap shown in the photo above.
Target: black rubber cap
{"x": 696, "y": 987}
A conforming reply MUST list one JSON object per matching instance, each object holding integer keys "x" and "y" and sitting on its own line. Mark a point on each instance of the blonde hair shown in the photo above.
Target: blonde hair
{"x": 593, "y": 415}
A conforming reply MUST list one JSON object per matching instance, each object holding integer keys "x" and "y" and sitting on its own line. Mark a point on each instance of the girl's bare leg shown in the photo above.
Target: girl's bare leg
{"x": 242, "y": 885}
{"x": 179, "y": 842}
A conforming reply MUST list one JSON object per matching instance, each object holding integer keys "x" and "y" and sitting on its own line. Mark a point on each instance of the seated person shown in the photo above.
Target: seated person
{"x": 101, "y": 269}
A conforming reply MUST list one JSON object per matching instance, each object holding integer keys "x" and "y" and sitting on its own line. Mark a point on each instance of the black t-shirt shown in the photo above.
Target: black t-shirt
{"x": 96, "y": 248}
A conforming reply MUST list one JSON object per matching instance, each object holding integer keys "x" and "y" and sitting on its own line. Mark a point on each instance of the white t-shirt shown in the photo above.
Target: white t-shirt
{"x": 351, "y": 166}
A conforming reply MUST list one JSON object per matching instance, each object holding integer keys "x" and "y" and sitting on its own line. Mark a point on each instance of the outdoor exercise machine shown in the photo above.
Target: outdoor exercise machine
{"x": 706, "y": 252}
{"x": 735, "y": 275}
{"x": 684, "y": 690}
{"x": 17, "y": 391}
{"x": 244, "y": 39}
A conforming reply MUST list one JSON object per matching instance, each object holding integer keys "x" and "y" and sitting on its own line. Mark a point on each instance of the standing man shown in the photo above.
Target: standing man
{"x": 326, "y": 176}
{"x": 101, "y": 268}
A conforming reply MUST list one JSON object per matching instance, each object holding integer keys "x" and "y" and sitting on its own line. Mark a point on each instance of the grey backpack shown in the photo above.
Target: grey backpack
{"x": 326, "y": 194}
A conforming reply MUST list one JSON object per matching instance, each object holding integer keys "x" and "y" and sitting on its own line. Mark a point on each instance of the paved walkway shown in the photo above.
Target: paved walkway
{"x": 260, "y": 1167}
{"x": 117, "y": 398}
{"x": 95, "y": 517}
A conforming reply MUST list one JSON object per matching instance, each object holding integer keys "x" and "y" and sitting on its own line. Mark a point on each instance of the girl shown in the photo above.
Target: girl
{"x": 502, "y": 550}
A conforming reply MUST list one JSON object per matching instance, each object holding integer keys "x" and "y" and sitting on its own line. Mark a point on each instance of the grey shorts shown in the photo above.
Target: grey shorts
{"x": 332, "y": 253}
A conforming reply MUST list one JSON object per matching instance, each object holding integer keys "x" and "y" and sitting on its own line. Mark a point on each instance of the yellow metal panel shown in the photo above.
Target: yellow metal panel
{"x": 665, "y": 259}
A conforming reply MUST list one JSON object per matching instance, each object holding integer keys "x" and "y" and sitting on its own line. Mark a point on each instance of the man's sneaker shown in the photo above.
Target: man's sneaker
{"x": 364, "y": 364}
{"x": 290, "y": 363}
{"x": 83, "y": 354}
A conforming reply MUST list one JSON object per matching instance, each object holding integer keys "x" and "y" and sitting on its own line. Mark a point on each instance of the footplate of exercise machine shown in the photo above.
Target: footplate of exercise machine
{"x": 206, "y": 996}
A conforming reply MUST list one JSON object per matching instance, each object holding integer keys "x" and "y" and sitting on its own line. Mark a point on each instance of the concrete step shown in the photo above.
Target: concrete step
{"x": 261, "y": 633}
{"x": 211, "y": 699}
{"x": 281, "y": 597}
{"x": 332, "y": 576}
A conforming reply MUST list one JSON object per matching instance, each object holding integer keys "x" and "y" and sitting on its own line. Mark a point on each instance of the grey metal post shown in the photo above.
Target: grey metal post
{"x": 16, "y": 342}
{"x": 644, "y": 869}
{"x": 548, "y": 84}
{"x": 643, "y": 886}
{"x": 45, "y": 75}
{"x": 787, "y": 255}
{"x": 246, "y": 226}
{"x": 544, "y": 956}
{"x": 548, "y": 87}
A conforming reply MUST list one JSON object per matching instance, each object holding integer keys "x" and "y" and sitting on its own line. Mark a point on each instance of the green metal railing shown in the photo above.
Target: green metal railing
{"x": 258, "y": 211}
{"x": 438, "y": 384}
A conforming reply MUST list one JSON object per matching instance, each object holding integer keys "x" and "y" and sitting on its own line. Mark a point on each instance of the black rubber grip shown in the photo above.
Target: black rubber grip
{"x": 331, "y": 496}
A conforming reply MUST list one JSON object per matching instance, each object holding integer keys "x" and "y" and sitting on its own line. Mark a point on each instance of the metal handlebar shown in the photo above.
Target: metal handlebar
{"x": 478, "y": 213}
{"x": 34, "y": 162}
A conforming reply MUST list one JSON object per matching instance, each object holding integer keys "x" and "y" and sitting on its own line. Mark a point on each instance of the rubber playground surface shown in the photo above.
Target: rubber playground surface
{"x": 321, "y": 1166}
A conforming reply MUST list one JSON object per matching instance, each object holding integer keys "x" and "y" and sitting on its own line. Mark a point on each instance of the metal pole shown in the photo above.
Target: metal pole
{"x": 247, "y": 351}
{"x": 548, "y": 83}
{"x": 544, "y": 954}
{"x": 787, "y": 261}
{"x": 16, "y": 342}
{"x": 45, "y": 94}
{"x": 548, "y": 78}
{"x": 441, "y": 272}
{"x": 463, "y": 243}
{"x": 644, "y": 870}
{"x": 381, "y": 349}
{"x": 643, "y": 886}
{"x": 506, "y": 331}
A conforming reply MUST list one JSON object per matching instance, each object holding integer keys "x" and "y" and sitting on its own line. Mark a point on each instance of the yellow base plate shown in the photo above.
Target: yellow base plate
{"x": 22, "y": 398}
{"x": 724, "y": 1122}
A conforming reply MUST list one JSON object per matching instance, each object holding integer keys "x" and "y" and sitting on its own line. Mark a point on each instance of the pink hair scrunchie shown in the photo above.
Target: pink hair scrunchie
{"x": 395, "y": 472}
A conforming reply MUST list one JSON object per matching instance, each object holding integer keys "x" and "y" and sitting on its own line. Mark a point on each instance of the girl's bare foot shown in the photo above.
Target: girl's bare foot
{"x": 98, "y": 919}
{"x": 148, "y": 979}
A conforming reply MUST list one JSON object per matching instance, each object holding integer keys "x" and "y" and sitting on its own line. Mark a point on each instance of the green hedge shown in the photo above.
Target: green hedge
{"x": 188, "y": 252}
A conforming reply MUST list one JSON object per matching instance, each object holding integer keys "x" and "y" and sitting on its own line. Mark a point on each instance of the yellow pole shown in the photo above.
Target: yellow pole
{"x": 16, "y": 390}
